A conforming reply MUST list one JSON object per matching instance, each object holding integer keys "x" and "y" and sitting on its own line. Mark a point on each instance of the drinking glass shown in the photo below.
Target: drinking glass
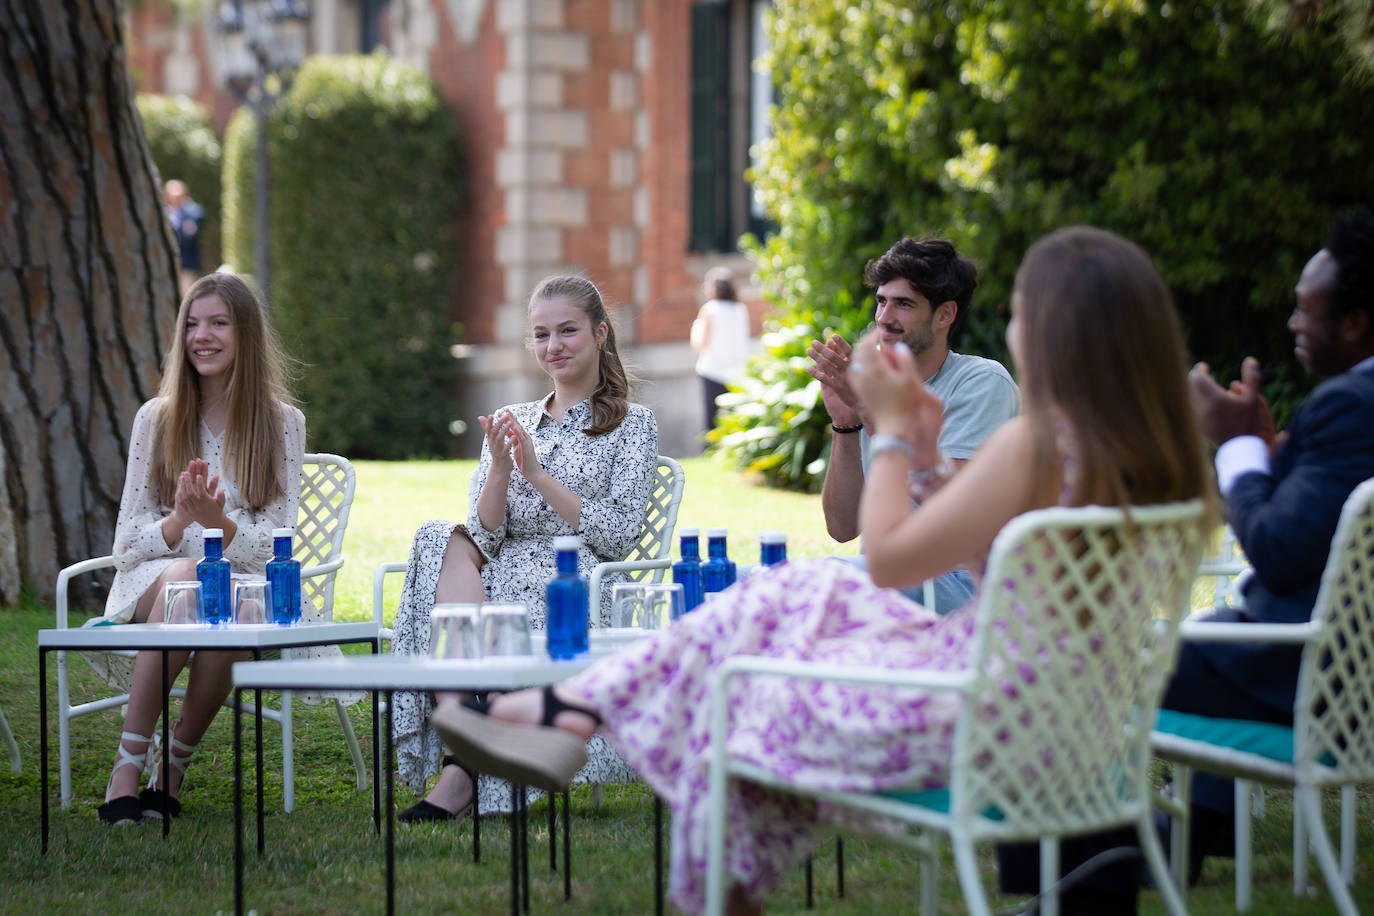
{"x": 645, "y": 605}
{"x": 181, "y": 602}
{"x": 454, "y": 631}
{"x": 252, "y": 598}
{"x": 505, "y": 630}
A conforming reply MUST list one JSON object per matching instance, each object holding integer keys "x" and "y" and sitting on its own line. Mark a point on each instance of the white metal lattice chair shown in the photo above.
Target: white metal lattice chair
{"x": 647, "y": 560}
{"x": 1075, "y": 635}
{"x": 328, "y": 483}
{"x": 1331, "y": 742}
{"x": 16, "y": 765}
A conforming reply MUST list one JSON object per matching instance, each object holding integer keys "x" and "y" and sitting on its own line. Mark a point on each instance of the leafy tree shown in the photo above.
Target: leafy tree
{"x": 88, "y": 286}
{"x": 366, "y": 180}
{"x": 1353, "y": 19}
{"x": 991, "y": 122}
{"x": 184, "y": 145}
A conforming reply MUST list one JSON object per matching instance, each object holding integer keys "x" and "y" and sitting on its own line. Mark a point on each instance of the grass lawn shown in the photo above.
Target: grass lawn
{"x": 325, "y": 857}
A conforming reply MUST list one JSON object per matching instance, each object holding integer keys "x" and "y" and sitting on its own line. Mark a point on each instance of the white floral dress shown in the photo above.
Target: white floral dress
{"x": 612, "y": 473}
{"x": 140, "y": 551}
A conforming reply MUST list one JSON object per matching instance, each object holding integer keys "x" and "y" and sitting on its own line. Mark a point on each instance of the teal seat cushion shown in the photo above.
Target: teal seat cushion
{"x": 1264, "y": 739}
{"x": 936, "y": 800}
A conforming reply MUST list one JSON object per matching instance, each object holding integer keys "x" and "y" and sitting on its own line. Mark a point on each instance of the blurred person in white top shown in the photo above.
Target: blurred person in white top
{"x": 720, "y": 335}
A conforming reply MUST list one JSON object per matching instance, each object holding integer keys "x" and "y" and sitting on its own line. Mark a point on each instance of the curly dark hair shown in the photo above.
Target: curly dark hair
{"x": 934, "y": 268}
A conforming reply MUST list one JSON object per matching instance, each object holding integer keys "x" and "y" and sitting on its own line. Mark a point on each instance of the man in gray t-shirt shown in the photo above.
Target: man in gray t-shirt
{"x": 922, "y": 291}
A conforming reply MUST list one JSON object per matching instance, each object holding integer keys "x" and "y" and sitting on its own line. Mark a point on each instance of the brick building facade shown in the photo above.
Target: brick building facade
{"x": 602, "y": 137}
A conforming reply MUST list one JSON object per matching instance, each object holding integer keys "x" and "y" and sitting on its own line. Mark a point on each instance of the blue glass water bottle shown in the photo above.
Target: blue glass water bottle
{"x": 718, "y": 572}
{"x": 567, "y": 593}
{"x": 213, "y": 573}
{"x": 687, "y": 570}
{"x": 284, "y": 575}
{"x": 772, "y": 548}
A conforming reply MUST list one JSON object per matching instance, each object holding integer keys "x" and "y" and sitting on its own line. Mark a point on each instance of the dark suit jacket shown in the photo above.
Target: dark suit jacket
{"x": 1285, "y": 520}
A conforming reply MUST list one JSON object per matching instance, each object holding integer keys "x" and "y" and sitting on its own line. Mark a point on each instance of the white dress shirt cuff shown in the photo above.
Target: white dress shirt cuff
{"x": 1238, "y": 456}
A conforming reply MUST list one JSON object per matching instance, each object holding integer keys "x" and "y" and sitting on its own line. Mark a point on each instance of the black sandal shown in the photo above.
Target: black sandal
{"x": 553, "y": 706}
{"x": 423, "y": 810}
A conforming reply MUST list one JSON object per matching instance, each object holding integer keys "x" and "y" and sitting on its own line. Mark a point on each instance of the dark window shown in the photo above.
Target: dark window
{"x": 729, "y": 113}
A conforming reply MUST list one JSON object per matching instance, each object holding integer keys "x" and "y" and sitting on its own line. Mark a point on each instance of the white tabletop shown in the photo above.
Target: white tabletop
{"x": 204, "y": 636}
{"x": 420, "y": 672}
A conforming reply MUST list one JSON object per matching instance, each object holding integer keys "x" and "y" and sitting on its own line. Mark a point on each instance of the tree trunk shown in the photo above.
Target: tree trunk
{"x": 88, "y": 288}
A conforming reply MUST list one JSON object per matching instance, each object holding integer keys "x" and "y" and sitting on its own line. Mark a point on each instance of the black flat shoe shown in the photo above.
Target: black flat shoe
{"x": 151, "y": 802}
{"x": 423, "y": 811}
{"x": 121, "y": 812}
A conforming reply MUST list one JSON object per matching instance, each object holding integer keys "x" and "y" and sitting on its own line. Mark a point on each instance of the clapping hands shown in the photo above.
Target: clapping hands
{"x": 830, "y": 366}
{"x": 510, "y": 444}
{"x": 198, "y": 495}
{"x": 1237, "y": 410}
{"x": 888, "y": 384}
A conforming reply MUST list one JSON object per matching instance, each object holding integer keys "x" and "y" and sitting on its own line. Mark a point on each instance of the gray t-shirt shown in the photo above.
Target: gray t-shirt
{"x": 979, "y": 396}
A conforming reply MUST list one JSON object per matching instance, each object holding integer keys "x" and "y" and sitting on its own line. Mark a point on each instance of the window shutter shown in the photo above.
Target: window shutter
{"x": 710, "y": 150}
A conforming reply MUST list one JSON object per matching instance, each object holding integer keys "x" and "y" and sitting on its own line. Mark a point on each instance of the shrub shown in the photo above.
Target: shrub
{"x": 365, "y": 185}
{"x": 183, "y": 145}
{"x": 1185, "y": 127}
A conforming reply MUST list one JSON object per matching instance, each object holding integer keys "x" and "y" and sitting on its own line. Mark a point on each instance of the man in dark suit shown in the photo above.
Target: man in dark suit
{"x": 1283, "y": 494}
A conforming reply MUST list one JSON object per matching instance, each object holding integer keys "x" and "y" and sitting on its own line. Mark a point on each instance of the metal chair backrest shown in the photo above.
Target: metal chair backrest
{"x": 328, "y": 484}
{"x": 1076, "y": 635}
{"x": 1333, "y": 724}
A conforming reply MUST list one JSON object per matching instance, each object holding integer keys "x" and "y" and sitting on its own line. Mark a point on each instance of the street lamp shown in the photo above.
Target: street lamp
{"x": 264, "y": 43}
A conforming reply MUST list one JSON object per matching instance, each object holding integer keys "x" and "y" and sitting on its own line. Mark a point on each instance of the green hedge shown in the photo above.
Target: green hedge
{"x": 366, "y": 181}
{"x": 182, "y": 141}
{"x": 1188, "y": 127}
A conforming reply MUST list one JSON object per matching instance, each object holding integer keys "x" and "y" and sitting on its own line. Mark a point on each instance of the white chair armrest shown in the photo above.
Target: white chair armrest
{"x": 849, "y": 674}
{"x": 64, "y": 579}
{"x": 320, "y": 569}
{"x": 378, "y": 600}
{"x": 1221, "y": 631}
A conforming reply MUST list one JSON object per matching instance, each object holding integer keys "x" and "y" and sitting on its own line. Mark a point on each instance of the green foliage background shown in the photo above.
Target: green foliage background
{"x": 1188, "y": 127}
{"x": 183, "y": 144}
{"x": 366, "y": 181}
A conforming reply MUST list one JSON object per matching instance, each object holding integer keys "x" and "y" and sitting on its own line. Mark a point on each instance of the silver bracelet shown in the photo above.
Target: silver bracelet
{"x": 942, "y": 471}
{"x": 889, "y": 443}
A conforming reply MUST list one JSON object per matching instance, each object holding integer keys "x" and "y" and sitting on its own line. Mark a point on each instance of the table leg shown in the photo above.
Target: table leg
{"x": 567, "y": 845}
{"x": 238, "y": 802}
{"x": 376, "y": 763}
{"x": 476, "y": 818}
{"x": 524, "y": 849}
{"x": 257, "y": 732}
{"x": 376, "y": 752}
{"x": 43, "y": 740}
{"x": 166, "y": 746}
{"x": 553, "y": 832}
{"x": 658, "y": 856}
{"x": 390, "y": 805}
{"x": 514, "y": 851}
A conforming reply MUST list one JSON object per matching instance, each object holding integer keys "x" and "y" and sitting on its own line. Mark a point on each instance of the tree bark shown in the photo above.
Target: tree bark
{"x": 88, "y": 288}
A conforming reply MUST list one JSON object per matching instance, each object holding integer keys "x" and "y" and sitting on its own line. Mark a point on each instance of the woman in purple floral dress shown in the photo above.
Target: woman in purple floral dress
{"x": 1107, "y": 420}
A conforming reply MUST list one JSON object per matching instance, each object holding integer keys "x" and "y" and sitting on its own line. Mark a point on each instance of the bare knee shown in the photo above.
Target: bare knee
{"x": 460, "y": 574}
{"x": 150, "y": 607}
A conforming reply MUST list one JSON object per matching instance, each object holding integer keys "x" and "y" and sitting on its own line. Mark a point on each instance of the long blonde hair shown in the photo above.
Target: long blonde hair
{"x": 257, "y": 388}
{"x": 1101, "y": 347}
{"x": 611, "y": 399}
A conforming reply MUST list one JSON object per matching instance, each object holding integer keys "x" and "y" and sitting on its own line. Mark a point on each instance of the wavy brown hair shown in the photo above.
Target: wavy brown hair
{"x": 257, "y": 389}
{"x": 1102, "y": 348}
{"x": 611, "y": 399}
